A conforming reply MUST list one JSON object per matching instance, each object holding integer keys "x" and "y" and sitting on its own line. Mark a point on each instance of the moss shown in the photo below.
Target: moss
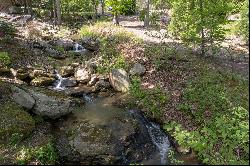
{"x": 14, "y": 120}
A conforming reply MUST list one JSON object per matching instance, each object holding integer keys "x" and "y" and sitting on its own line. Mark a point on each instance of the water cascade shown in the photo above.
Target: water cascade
{"x": 59, "y": 83}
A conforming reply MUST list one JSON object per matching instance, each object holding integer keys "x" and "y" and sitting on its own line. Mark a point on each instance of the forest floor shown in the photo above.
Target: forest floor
{"x": 234, "y": 54}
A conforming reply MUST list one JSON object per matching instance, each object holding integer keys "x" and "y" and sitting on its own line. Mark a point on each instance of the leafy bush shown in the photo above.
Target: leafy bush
{"x": 128, "y": 7}
{"x": 45, "y": 155}
{"x": 243, "y": 26}
{"x": 6, "y": 29}
{"x": 219, "y": 105}
{"x": 142, "y": 15}
{"x": 4, "y": 59}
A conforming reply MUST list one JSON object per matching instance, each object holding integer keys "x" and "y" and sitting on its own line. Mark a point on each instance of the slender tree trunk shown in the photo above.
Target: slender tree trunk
{"x": 58, "y": 12}
{"x": 55, "y": 17}
{"x": 202, "y": 29}
{"x": 146, "y": 20}
{"x": 116, "y": 18}
{"x": 103, "y": 5}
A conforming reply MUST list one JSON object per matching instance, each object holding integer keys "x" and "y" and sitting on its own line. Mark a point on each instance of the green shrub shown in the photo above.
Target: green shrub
{"x": 6, "y": 29}
{"x": 243, "y": 26}
{"x": 219, "y": 105}
{"x": 4, "y": 59}
{"x": 45, "y": 155}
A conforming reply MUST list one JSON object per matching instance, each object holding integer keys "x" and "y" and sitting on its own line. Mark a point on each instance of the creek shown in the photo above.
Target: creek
{"x": 105, "y": 133}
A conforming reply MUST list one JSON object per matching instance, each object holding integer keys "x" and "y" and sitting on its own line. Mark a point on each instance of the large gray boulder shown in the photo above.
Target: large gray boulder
{"x": 91, "y": 43}
{"x": 105, "y": 136}
{"x": 137, "y": 69}
{"x": 66, "y": 44}
{"x": 119, "y": 80}
{"x": 82, "y": 75}
{"x": 22, "y": 98}
{"x": 53, "y": 105}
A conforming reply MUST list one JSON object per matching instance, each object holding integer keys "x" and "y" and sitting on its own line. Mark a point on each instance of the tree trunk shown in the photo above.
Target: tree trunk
{"x": 55, "y": 17}
{"x": 103, "y": 5}
{"x": 202, "y": 29}
{"x": 58, "y": 12}
{"x": 146, "y": 20}
{"x": 116, "y": 18}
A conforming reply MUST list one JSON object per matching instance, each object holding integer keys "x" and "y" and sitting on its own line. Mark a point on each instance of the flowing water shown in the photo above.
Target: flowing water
{"x": 78, "y": 48}
{"x": 58, "y": 85}
{"x": 102, "y": 110}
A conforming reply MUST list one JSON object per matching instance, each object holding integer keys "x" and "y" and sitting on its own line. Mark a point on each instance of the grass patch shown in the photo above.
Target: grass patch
{"x": 110, "y": 36}
{"x": 151, "y": 99}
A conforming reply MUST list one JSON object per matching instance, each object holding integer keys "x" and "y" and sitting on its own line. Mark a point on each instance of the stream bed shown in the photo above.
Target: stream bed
{"x": 102, "y": 133}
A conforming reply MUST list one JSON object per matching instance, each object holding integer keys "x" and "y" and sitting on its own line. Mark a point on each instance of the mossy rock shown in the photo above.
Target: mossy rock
{"x": 14, "y": 120}
{"x": 42, "y": 81}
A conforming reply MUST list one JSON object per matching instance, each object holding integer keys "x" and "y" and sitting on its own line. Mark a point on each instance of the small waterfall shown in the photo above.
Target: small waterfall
{"x": 59, "y": 84}
{"x": 78, "y": 47}
{"x": 87, "y": 98}
{"x": 160, "y": 139}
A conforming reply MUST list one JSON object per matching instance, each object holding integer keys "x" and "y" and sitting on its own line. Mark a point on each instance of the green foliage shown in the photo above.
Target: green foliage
{"x": 213, "y": 93}
{"x": 192, "y": 17}
{"x": 243, "y": 26}
{"x": 15, "y": 138}
{"x": 218, "y": 141}
{"x": 151, "y": 99}
{"x": 45, "y": 155}
{"x": 142, "y": 14}
{"x": 219, "y": 104}
{"x": 172, "y": 159}
{"x": 126, "y": 7}
{"x": 162, "y": 4}
{"x": 6, "y": 29}
{"x": 15, "y": 122}
{"x": 4, "y": 59}
{"x": 111, "y": 37}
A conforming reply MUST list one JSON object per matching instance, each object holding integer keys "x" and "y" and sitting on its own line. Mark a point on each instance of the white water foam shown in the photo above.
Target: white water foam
{"x": 160, "y": 139}
{"x": 59, "y": 84}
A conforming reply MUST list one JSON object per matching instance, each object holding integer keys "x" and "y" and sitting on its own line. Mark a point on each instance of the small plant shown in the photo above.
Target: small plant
{"x": 173, "y": 160}
{"x": 6, "y": 29}
{"x": 45, "y": 155}
{"x": 4, "y": 59}
{"x": 15, "y": 138}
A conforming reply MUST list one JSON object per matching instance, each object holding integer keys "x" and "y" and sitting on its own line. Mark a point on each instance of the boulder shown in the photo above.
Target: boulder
{"x": 137, "y": 69}
{"x": 111, "y": 137}
{"x": 42, "y": 81}
{"x": 91, "y": 43}
{"x": 82, "y": 75}
{"x": 66, "y": 44}
{"x": 66, "y": 71}
{"x": 54, "y": 54}
{"x": 22, "y": 74}
{"x": 22, "y": 98}
{"x": 52, "y": 105}
{"x": 79, "y": 91}
{"x": 119, "y": 80}
{"x": 93, "y": 80}
{"x": 69, "y": 82}
{"x": 102, "y": 85}
{"x": 41, "y": 73}
{"x": 5, "y": 72}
